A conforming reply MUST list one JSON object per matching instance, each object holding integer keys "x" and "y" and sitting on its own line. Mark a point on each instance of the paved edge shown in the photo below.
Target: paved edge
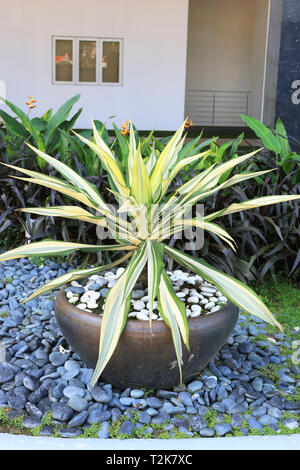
{"x": 280, "y": 442}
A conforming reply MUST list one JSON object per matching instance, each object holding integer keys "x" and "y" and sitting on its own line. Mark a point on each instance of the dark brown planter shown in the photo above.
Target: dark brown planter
{"x": 142, "y": 358}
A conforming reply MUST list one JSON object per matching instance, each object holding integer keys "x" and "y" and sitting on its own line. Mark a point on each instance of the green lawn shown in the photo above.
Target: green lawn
{"x": 283, "y": 299}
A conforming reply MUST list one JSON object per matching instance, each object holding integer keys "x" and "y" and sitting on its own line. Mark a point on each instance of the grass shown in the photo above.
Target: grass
{"x": 283, "y": 298}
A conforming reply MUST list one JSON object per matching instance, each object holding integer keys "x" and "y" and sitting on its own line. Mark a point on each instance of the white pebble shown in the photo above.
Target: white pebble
{"x": 195, "y": 314}
{"x": 196, "y": 308}
{"x": 141, "y": 316}
{"x": 73, "y": 300}
{"x": 223, "y": 299}
{"x": 120, "y": 272}
{"x": 132, "y": 315}
{"x": 111, "y": 283}
{"x": 75, "y": 283}
{"x": 193, "y": 300}
{"x": 69, "y": 294}
{"x": 81, "y": 306}
{"x": 209, "y": 305}
{"x": 153, "y": 316}
{"x": 188, "y": 312}
{"x": 211, "y": 290}
{"x": 138, "y": 305}
{"x": 92, "y": 305}
{"x": 215, "y": 309}
{"x": 203, "y": 301}
{"x": 145, "y": 311}
{"x": 180, "y": 295}
{"x": 154, "y": 305}
{"x": 213, "y": 299}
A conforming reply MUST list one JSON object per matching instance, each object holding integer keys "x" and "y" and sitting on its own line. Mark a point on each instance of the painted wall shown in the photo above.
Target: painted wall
{"x": 154, "y": 35}
{"x": 220, "y": 44}
{"x": 226, "y": 50}
{"x": 260, "y": 33}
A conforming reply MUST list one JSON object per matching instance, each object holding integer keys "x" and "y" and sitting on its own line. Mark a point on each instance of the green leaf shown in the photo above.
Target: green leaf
{"x": 60, "y": 116}
{"x": 13, "y": 125}
{"x": 282, "y": 138}
{"x": 21, "y": 115}
{"x": 264, "y": 133}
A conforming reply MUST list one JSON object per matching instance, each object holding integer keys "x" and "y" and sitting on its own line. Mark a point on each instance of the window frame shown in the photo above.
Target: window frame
{"x": 63, "y": 38}
{"x": 120, "y": 41}
{"x": 75, "y": 66}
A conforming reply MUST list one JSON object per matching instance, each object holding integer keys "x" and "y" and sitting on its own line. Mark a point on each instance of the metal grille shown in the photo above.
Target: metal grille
{"x": 216, "y": 108}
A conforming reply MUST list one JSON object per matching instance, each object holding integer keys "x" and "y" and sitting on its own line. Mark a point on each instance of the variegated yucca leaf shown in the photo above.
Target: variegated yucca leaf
{"x": 116, "y": 309}
{"x": 57, "y": 248}
{"x": 70, "y": 212}
{"x": 234, "y": 290}
{"x": 90, "y": 190}
{"x": 251, "y": 204}
{"x": 109, "y": 163}
{"x": 155, "y": 267}
{"x": 174, "y": 313}
{"x": 149, "y": 212}
{"x": 140, "y": 186}
{"x": 74, "y": 276}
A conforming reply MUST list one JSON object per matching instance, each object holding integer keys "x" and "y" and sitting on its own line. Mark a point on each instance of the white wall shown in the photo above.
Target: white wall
{"x": 220, "y": 44}
{"x": 226, "y": 51}
{"x": 154, "y": 34}
{"x": 259, "y": 57}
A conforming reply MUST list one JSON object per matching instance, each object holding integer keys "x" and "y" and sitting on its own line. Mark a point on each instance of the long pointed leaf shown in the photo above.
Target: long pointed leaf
{"x": 234, "y": 290}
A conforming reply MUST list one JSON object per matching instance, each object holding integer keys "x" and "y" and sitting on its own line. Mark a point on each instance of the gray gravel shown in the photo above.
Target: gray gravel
{"x": 41, "y": 374}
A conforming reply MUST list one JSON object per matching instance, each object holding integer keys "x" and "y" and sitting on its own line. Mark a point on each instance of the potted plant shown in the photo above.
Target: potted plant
{"x": 153, "y": 214}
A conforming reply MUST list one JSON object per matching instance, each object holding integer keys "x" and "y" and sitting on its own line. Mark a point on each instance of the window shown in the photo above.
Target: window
{"x": 89, "y": 61}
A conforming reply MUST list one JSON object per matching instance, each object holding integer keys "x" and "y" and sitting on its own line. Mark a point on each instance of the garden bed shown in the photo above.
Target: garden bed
{"x": 251, "y": 387}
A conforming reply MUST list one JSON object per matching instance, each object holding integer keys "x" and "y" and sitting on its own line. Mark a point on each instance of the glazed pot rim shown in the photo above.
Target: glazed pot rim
{"x": 155, "y": 323}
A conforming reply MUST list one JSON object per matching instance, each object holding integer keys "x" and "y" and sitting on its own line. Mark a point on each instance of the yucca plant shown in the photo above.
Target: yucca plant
{"x": 153, "y": 215}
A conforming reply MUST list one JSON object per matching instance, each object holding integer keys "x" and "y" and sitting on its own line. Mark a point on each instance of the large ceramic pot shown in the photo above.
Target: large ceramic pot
{"x": 142, "y": 358}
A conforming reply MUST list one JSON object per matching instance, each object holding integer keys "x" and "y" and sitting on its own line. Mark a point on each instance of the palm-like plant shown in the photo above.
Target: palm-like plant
{"x": 154, "y": 213}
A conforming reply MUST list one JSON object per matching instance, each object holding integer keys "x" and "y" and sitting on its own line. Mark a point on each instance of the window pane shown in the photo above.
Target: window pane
{"x": 111, "y": 62}
{"x": 87, "y": 61}
{"x": 64, "y": 60}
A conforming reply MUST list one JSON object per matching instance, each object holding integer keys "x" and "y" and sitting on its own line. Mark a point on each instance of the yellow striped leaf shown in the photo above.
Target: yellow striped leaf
{"x": 237, "y": 292}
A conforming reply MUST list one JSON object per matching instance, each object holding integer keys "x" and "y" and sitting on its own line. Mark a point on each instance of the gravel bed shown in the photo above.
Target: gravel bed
{"x": 251, "y": 387}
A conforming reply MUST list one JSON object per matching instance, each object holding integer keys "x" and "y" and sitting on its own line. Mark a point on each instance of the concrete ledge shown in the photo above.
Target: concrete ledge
{"x": 17, "y": 442}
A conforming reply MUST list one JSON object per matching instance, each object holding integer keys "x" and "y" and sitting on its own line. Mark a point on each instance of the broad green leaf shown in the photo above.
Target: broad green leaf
{"x": 283, "y": 138}
{"x": 264, "y": 133}
{"x": 13, "y": 125}
{"x": 237, "y": 292}
{"x": 60, "y": 116}
{"x": 22, "y": 116}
